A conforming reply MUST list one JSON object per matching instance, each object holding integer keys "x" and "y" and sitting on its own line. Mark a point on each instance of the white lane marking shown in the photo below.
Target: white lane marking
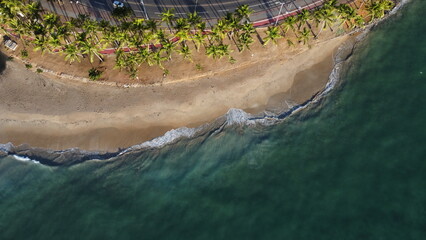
{"x": 100, "y": 3}
{"x": 177, "y": 13}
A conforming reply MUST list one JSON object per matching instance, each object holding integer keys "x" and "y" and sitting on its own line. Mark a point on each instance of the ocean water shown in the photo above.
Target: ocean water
{"x": 352, "y": 166}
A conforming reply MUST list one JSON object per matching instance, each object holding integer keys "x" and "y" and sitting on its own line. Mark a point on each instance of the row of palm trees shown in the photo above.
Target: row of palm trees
{"x": 152, "y": 42}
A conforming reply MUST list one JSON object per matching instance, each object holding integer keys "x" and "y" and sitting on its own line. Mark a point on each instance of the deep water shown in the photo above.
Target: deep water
{"x": 352, "y": 166}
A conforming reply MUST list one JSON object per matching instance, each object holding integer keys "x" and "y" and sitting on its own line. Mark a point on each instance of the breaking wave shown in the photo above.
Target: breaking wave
{"x": 24, "y": 159}
{"x": 231, "y": 118}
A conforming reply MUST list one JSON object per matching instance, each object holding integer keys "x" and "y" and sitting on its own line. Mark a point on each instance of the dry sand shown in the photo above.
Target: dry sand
{"x": 59, "y": 114}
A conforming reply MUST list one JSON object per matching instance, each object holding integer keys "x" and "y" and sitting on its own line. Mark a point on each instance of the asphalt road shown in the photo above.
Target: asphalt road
{"x": 208, "y": 9}
{"x": 265, "y": 11}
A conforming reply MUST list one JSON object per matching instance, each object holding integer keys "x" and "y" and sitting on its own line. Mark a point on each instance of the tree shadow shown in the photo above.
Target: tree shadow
{"x": 3, "y": 59}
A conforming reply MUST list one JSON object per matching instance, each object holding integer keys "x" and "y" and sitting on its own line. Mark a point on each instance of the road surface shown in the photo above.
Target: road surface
{"x": 211, "y": 10}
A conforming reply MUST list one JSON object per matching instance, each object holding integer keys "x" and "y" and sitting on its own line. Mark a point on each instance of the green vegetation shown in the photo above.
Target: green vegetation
{"x": 122, "y": 12}
{"x": 94, "y": 74}
{"x": 24, "y": 53}
{"x": 153, "y": 42}
{"x": 39, "y": 70}
{"x": 28, "y": 66}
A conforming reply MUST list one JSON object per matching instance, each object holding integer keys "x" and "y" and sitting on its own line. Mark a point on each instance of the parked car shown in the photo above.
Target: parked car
{"x": 117, "y": 4}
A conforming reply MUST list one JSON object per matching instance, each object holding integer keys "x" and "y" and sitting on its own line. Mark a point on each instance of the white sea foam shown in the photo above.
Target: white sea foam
{"x": 167, "y": 138}
{"x": 24, "y": 159}
{"x": 237, "y": 116}
{"x": 233, "y": 117}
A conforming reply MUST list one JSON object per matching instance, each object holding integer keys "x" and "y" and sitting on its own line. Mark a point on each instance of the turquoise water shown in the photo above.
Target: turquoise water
{"x": 351, "y": 167}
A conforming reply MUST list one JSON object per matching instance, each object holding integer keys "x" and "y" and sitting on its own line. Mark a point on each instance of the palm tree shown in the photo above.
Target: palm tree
{"x": 303, "y": 18}
{"x": 201, "y": 26}
{"x": 348, "y": 15}
{"x": 219, "y": 31}
{"x": 185, "y": 52}
{"x": 120, "y": 59}
{"x": 377, "y": 9}
{"x": 33, "y": 10}
{"x": 53, "y": 42}
{"x": 330, "y": 4}
{"x": 244, "y": 12}
{"x": 158, "y": 59}
{"x": 304, "y": 36}
{"x": 90, "y": 49}
{"x": 161, "y": 36}
{"x": 109, "y": 39}
{"x": 149, "y": 40}
{"x": 248, "y": 28}
{"x": 272, "y": 34}
{"x": 168, "y": 17}
{"x": 19, "y": 27}
{"x": 231, "y": 26}
{"x": 223, "y": 50}
{"x": 212, "y": 51}
{"x": 146, "y": 56}
{"x": 91, "y": 27}
{"x": 40, "y": 45}
{"x": 168, "y": 47}
{"x": 38, "y": 29}
{"x": 182, "y": 24}
{"x": 13, "y": 6}
{"x": 151, "y": 25}
{"x": 245, "y": 40}
{"x": 138, "y": 25}
{"x": 194, "y": 19}
{"x": 50, "y": 21}
{"x": 72, "y": 54}
{"x": 327, "y": 17}
{"x": 122, "y": 13}
{"x": 198, "y": 38}
{"x": 105, "y": 26}
{"x": 359, "y": 21}
{"x": 183, "y": 36}
{"x": 63, "y": 33}
{"x": 288, "y": 24}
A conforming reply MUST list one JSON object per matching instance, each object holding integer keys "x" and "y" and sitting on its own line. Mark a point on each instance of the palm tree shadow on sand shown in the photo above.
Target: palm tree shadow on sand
{"x": 3, "y": 59}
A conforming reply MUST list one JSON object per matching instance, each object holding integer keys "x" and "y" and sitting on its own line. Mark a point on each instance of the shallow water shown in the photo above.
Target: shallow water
{"x": 350, "y": 167}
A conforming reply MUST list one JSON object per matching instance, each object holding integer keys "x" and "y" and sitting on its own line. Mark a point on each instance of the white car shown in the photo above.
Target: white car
{"x": 117, "y": 4}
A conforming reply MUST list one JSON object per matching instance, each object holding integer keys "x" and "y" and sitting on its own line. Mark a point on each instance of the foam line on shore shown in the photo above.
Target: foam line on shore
{"x": 231, "y": 118}
{"x": 25, "y": 159}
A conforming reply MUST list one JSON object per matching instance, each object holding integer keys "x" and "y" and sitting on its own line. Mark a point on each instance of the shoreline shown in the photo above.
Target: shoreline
{"x": 178, "y": 132}
{"x": 73, "y": 156}
{"x": 56, "y": 129}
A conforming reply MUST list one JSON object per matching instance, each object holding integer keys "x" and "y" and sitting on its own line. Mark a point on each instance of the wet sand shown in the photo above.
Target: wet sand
{"x": 59, "y": 114}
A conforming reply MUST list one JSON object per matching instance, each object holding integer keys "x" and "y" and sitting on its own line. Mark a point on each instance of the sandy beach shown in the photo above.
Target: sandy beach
{"x": 59, "y": 113}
